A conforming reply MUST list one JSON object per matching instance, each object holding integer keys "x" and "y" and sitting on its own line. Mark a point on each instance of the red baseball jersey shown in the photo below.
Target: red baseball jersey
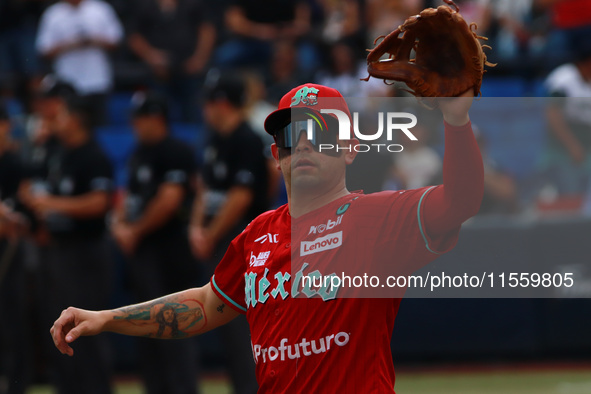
{"x": 311, "y": 339}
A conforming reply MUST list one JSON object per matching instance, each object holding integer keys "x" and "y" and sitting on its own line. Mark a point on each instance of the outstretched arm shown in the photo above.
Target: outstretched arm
{"x": 187, "y": 313}
{"x": 459, "y": 198}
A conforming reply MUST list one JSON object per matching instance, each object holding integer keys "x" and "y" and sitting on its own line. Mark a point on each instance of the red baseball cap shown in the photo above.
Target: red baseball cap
{"x": 310, "y": 96}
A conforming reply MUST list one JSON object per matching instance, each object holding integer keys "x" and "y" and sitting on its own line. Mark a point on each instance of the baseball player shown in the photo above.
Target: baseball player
{"x": 306, "y": 339}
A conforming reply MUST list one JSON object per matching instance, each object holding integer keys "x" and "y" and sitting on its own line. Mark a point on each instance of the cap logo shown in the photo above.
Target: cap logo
{"x": 306, "y": 95}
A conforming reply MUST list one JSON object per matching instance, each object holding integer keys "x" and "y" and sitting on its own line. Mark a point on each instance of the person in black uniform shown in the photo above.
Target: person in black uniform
{"x": 233, "y": 190}
{"x": 38, "y": 151}
{"x": 15, "y": 355}
{"x": 78, "y": 258}
{"x": 44, "y": 145}
{"x": 151, "y": 229}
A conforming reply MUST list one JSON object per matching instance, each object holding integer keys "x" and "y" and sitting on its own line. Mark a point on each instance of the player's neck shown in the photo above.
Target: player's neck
{"x": 229, "y": 123}
{"x": 305, "y": 201}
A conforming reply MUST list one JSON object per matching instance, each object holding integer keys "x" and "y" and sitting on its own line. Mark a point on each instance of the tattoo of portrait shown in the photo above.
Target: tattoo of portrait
{"x": 221, "y": 308}
{"x": 165, "y": 318}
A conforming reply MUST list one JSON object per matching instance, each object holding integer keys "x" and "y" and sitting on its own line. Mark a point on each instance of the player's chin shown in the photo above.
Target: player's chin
{"x": 305, "y": 179}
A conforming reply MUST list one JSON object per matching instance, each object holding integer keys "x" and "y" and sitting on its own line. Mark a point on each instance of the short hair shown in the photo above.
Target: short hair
{"x": 222, "y": 85}
{"x": 149, "y": 103}
{"x": 53, "y": 87}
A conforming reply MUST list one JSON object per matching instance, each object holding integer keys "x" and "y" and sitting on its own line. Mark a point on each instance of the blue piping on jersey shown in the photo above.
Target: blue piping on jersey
{"x": 419, "y": 219}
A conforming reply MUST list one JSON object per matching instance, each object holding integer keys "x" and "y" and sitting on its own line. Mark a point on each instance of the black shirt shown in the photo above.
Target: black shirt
{"x": 17, "y": 13}
{"x": 40, "y": 157}
{"x": 150, "y": 166}
{"x": 12, "y": 172}
{"x": 77, "y": 172}
{"x": 174, "y": 32}
{"x": 235, "y": 160}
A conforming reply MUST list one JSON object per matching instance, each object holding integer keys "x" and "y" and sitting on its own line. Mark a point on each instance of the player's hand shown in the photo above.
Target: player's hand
{"x": 455, "y": 109}
{"x": 125, "y": 237}
{"x": 74, "y": 323}
{"x": 15, "y": 225}
{"x": 41, "y": 204}
{"x": 201, "y": 244}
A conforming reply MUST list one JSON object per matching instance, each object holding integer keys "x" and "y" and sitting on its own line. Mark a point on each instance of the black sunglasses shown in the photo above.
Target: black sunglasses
{"x": 318, "y": 130}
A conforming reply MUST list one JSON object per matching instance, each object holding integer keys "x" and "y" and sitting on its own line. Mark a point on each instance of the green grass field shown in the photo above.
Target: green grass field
{"x": 496, "y": 383}
{"x": 538, "y": 382}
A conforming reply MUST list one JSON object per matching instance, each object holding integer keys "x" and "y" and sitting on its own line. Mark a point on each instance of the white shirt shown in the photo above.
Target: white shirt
{"x": 87, "y": 69}
{"x": 567, "y": 81}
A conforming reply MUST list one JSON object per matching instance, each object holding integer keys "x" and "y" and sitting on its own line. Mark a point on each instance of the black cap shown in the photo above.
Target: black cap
{"x": 225, "y": 86}
{"x": 51, "y": 86}
{"x": 149, "y": 103}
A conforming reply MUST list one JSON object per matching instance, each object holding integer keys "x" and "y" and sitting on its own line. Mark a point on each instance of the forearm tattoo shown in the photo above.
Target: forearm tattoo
{"x": 167, "y": 317}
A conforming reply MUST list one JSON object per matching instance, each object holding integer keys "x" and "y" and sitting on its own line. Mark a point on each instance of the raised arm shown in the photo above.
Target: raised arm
{"x": 459, "y": 198}
{"x": 179, "y": 315}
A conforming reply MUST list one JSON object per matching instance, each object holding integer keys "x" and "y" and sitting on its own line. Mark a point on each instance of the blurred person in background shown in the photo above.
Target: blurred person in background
{"x": 15, "y": 357}
{"x": 343, "y": 21}
{"x": 418, "y": 165}
{"x": 345, "y": 72}
{"x": 78, "y": 259}
{"x": 20, "y": 69}
{"x": 568, "y": 155}
{"x": 233, "y": 189}
{"x": 43, "y": 145}
{"x": 256, "y": 24}
{"x": 570, "y": 25}
{"x": 385, "y": 15}
{"x": 40, "y": 151}
{"x": 76, "y": 36}
{"x": 500, "y": 188}
{"x": 513, "y": 35}
{"x": 175, "y": 39}
{"x": 257, "y": 108}
{"x": 151, "y": 229}
{"x": 284, "y": 71}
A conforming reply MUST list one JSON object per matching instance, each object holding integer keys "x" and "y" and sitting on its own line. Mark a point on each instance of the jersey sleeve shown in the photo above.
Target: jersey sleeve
{"x": 228, "y": 279}
{"x": 434, "y": 244}
{"x": 405, "y": 226}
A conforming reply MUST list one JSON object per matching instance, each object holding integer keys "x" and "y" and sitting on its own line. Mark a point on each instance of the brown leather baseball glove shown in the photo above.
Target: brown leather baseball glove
{"x": 449, "y": 58}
